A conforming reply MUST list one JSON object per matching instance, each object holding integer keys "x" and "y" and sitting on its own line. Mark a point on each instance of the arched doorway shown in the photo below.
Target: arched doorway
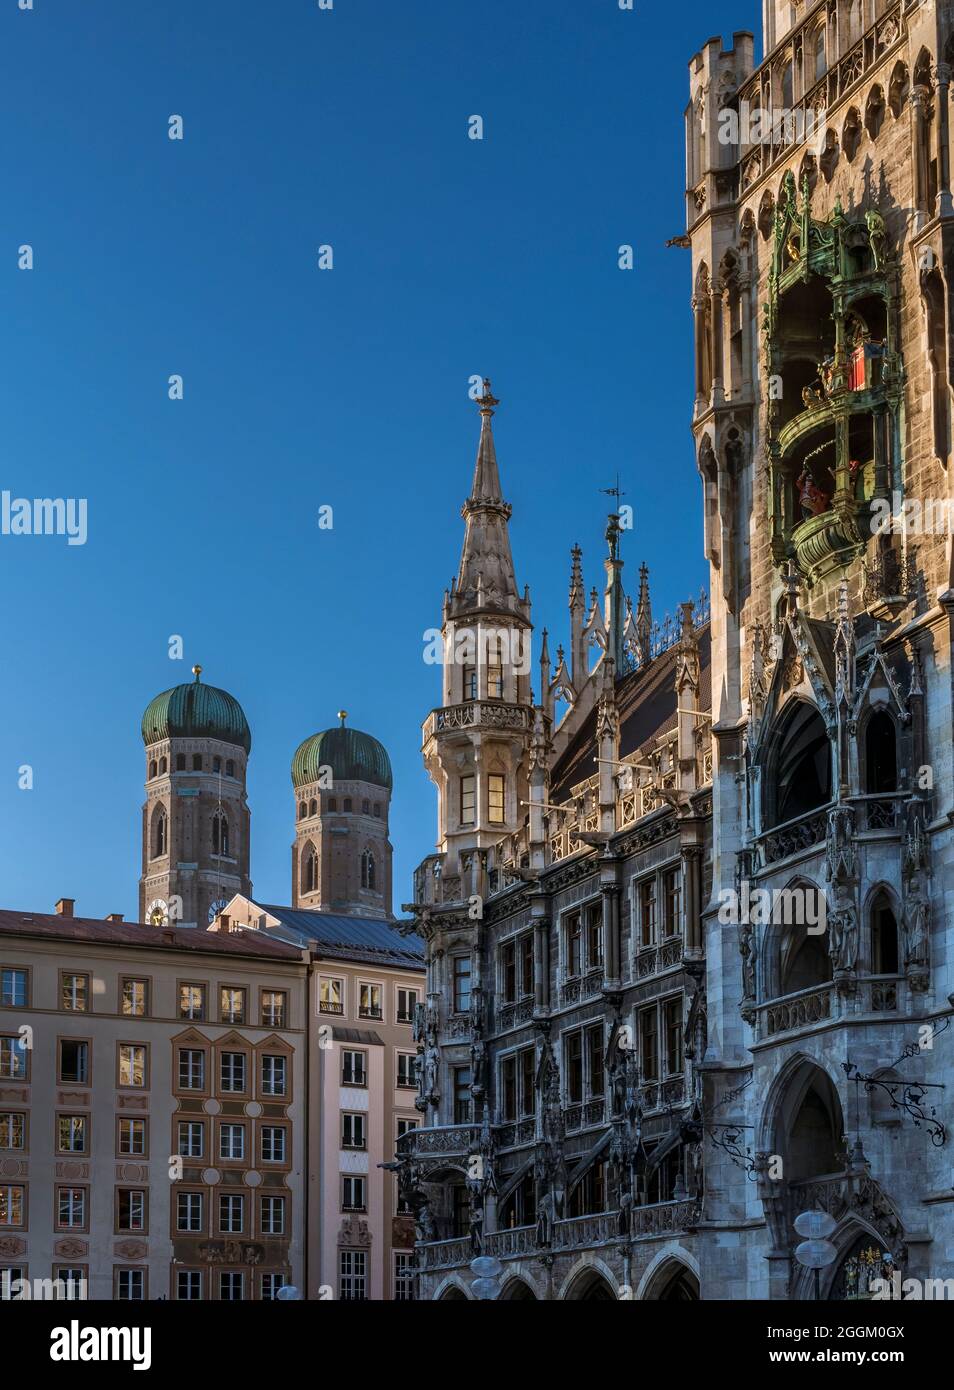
{"x": 675, "y": 1283}
{"x": 517, "y": 1292}
{"x": 452, "y": 1293}
{"x": 590, "y": 1287}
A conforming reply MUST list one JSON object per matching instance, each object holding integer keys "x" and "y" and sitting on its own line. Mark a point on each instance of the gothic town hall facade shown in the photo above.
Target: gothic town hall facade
{"x": 689, "y": 922}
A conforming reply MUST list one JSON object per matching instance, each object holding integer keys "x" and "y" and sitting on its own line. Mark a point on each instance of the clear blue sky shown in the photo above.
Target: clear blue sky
{"x": 304, "y": 387}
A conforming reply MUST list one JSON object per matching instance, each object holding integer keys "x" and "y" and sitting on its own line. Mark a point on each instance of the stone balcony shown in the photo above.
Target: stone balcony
{"x": 779, "y": 1019}
{"x": 791, "y": 838}
{"x": 477, "y": 714}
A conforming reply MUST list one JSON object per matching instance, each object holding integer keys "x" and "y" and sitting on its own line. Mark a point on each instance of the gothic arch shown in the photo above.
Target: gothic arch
{"x": 517, "y": 1290}
{"x": 882, "y": 917}
{"x": 159, "y": 833}
{"x": 589, "y": 1279}
{"x": 453, "y": 1288}
{"x": 309, "y": 867}
{"x": 790, "y": 958}
{"x": 798, "y": 763}
{"x": 875, "y": 108}
{"x": 899, "y": 89}
{"x": 843, "y": 1238}
{"x": 877, "y": 741}
{"x": 851, "y": 133}
{"x": 667, "y": 1267}
{"x": 803, "y": 1119}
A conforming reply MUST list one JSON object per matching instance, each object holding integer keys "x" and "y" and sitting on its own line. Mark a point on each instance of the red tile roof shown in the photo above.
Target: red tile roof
{"x": 96, "y": 932}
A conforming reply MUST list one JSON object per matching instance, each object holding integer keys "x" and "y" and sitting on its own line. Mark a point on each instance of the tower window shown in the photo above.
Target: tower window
{"x": 470, "y": 682}
{"x": 180, "y": 762}
{"x": 162, "y": 767}
{"x": 347, "y": 803}
{"x": 332, "y": 803}
{"x": 196, "y": 762}
{"x": 495, "y": 799}
{"x": 494, "y": 682}
{"x": 229, "y": 768}
{"x": 160, "y": 839}
{"x": 216, "y": 764}
{"x": 313, "y": 807}
{"x": 367, "y": 870}
{"x": 220, "y": 834}
{"x": 377, "y": 808}
{"x": 309, "y": 878}
{"x": 153, "y": 769}
{"x": 366, "y": 807}
{"x": 468, "y": 799}
{"x": 302, "y": 810}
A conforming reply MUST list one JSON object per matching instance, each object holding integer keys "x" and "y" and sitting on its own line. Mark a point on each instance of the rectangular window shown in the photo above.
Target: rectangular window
{"x": 273, "y": 1216}
{"x": 470, "y": 682}
{"x": 132, "y": 1064}
{"x": 131, "y": 1285}
{"x": 271, "y": 1283}
{"x": 528, "y": 1074}
{"x": 468, "y": 799}
{"x": 191, "y": 1138}
{"x": 495, "y": 682}
{"x": 672, "y": 1023}
{"x": 672, "y": 901}
{"x": 330, "y": 996}
{"x": 594, "y": 1046}
{"x": 70, "y": 1207}
{"x": 648, "y": 1045}
{"x": 353, "y": 1132}
{"x": 274, "y": 1008}
{"x": 273, "y": 1143}
{"x": 13, "y": 987}
{"x": 495, "y": 799}
{"x": 132, "y": 1136}
{"x": 231, "y": 1213}
{"x": 574, "y": 1067}
{"x": 188, "y": 1285}
{"x": 12, "y": 1204}
{"x": 232, "y": 1004}
{"x": 354, "y": 1068}
{"x": 131, "y": 1213}
{"x": 135, "y": 998}
{"x": 406, "y": 1072}
{"x": 191, "y": 1069}
{"x": 462, "y": 1096}
{"x": 232, "y": 1071}
{"x": 231, "y": 1285}
{"x": 12, "y": 1129}
{"x": 232, "y": 1141}
{"x": 74, "y": 1061}
{"x": 74, "y": 993}
{"x": 508, "y": 971}
{"x": 75, "y": 1280}
{"x": 354, "y": 1195}
{"x": 9, "y": 1277}
{"x": 192, "y": 1002}
{"x": 13, "y": 1059}
{"x": 189, "y": 1211}
{"x": 369, "y": 1001}
{"x": 352, "y": 1275}
{"x": 525, "y": 952}
{"x": 594, "y": 936}
{"x": 508, "y": 1088}
{"x": 71, "y": 1134}
{"x": 574, "y": 944}
{"x": 647, "y": 912}
{"x": 403, "y": 1126}
{"x": 461, "y": 984}
{"x": 273, "y": 1076}
{"x": 403, "y": 1276}
{"x": 406, "y": 1004}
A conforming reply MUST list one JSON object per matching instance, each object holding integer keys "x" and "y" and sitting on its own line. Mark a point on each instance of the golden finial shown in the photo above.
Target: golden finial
{"x": 197, "y": 672}
{"x": 487, "y": 401}
{"x": 342, "y": 715}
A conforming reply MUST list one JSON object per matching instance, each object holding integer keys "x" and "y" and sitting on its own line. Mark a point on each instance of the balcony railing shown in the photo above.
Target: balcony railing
{"x": 795, "y": 1011}
{"x": 328, "y": 1007}
{"x": 792, "y": 837}
{"x": 880, "y": 812}
{"x": 440, "y": 1139}
{"x": 477, "y": 714}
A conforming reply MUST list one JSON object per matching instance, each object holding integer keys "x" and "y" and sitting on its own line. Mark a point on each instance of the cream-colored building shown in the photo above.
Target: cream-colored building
{"x": 152, "y": 1101}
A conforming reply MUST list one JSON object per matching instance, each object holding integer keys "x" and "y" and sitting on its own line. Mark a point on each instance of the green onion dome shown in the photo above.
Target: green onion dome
{"x": 351, "y": 755}
{"x": 196, "y": 711}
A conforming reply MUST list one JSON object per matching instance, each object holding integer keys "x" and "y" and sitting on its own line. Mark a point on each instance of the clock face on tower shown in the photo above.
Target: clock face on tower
{"x": 157, "y": 913}
{"x": 216, "y": 906}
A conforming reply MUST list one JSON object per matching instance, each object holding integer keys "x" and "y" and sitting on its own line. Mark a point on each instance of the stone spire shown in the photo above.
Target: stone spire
{"x": 644, "y": 613}
{"x": 486, "y": 580}
{"x": 614, "y": 600}
{"x": 577, "y": 619}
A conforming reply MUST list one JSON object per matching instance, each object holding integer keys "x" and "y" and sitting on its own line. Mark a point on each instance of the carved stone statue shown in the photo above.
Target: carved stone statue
{"x": 748, "y": 950}
{"x": 876, "y": 236}
{"x": 545, "y": 1218}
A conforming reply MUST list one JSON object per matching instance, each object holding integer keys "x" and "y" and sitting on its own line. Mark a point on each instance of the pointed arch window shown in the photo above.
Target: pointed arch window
{"x": 153, "y": 769}
{"x": 160, "y": 835}
{"x": 162, "y": 767}
{"x": 302, "y": 810}
{"x": 881, "y": 754}
{"x": 220, "y": 833}
{"x": 821, "y": 62}
{"x": 309, "y": 875}
{"x": 313, "y": 807}
{"x": 368, "y": 873}
{"x": 802, "y": 771}
{"x": 884, "y": 937}
{"x": 229, "y": 768}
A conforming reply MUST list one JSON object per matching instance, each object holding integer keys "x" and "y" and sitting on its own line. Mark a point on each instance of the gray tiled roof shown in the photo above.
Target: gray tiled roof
{"x": 366, "y": 939}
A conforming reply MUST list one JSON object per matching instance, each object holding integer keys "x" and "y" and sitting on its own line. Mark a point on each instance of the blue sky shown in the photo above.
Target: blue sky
{"x": 304, "y": 387}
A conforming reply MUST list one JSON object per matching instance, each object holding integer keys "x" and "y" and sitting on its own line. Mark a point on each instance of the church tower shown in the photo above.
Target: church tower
{"x": 341, "y": 856}
{"x": 195, "y": 820}
{"x": 476, "y": 745}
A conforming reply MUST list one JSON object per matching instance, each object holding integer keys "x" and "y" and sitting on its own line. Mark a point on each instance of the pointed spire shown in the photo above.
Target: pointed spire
{"x": 576, "y": 578}
{"x": 486, "y": 579}
{"x": 644, "y": 613}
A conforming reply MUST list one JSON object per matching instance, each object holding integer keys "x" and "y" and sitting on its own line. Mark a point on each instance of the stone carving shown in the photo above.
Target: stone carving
{"x": 71, "y": 1248}
{"x": 131, "y": 1249}
{"x": 11, "y": 1247}
{"x": 916, "y": 914}
{"x": 842, "y": 914}
{"x": 354, "y": 1232}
